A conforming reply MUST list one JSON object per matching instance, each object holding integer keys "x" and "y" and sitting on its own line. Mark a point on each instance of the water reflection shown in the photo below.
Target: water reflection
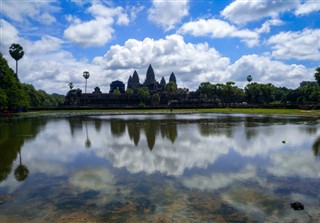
{"x": 157, "y": 168}
{"x": 13, "y": 136}
{"x": 316, "y": 147}
{"x": 21, "y": 172}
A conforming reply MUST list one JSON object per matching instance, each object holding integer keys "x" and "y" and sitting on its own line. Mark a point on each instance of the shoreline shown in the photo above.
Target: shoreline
{"x": 255, "y": 111}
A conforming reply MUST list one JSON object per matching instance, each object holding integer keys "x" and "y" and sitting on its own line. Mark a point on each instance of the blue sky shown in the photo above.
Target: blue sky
{"x": 216, "y": 41}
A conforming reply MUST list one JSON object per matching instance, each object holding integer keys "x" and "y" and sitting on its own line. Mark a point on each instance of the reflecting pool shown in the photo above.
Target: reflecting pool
{"x": 160, "y": 168}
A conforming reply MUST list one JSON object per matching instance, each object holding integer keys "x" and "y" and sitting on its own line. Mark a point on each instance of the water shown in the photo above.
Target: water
{"x": 160, "y": 168}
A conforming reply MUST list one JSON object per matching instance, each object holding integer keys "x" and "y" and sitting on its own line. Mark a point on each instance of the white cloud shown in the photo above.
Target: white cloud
{"x": 265, "y": 28}
{"x": 168, "y": 14}
{"x": 302, "y": 45}
{"x": 20, "y": 11}
{"x": 216, "y": 28}
{"x": 242, "y": 11}
{"x": 192, "y": 63}
{"x": 8, "y": 35}
{"x": 98, "y": 31}
{"x": 45, "y": 45}
{"x": 308, "y": 7}
{"x": 265, "y": 70}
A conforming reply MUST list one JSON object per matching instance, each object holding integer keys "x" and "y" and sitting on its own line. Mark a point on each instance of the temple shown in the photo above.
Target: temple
{"x": 150, "y": 92}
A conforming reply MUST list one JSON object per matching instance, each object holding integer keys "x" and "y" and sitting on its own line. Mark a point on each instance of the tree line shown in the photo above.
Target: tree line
{"x": 259, "y": 93}
{"x": 17, "y": 96}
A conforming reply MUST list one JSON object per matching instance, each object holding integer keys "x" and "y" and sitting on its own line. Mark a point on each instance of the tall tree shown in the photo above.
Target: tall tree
{"x": 317, "y": 75}
{"x": 249, "y": 78}
{"x": 16, "y": 52}
{"x": 86, "y": 75}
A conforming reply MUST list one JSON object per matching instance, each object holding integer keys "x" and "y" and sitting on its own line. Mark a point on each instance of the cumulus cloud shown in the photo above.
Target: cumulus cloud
{"x": 216, "y": 28}
{"x": 308, "y": 7}
{"x": 8, "y": 35}
{"x": 20, "y": 11}
{"x": 265, "y": 70}
{"x": 98, "y": 31}
{"x": 301, "y": 45}
{"x": 168, "y": 14}
{"x": 242, "y": 11}
{"x": 192, "y": 63}
{"x": 266, "y": 26}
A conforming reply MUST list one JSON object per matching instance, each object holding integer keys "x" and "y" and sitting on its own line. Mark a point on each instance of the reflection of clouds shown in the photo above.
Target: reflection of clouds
{"x": 262, "y": 206}
{"x": 267, "y": 207}
{"x": 296, "y": 163}
{"x": 172, "y": 159}
{"x": 55, "y": 144}
{"x": 269, "y": 139}
{"x": 219, "y": 180}
{"x": 99, "y": 179}
{"x": 49, "y": 168}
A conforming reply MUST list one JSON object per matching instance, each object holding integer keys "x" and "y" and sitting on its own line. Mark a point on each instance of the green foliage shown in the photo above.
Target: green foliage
{"x": 155, "y": 99}
{"x": 171, "y": 88}
{"x": 144, "y": 94}
{"x": 12, "y": 94}
{"x": 317, "y": 75}
{"x": 260, "y": 93}
{"x": 227, "y": 92}
{"x": 116, "y": 92}
{"x": 17, "y": 96}
{"x": 16, "y": 51}
{"x": 129, "y": 91}
{"x": 142, "y": 105}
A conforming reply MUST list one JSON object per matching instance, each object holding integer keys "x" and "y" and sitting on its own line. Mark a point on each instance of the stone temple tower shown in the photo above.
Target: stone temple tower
{"x": 150, "y": 77}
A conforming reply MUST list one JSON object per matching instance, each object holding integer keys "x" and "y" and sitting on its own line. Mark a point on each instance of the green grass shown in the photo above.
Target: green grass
{"x": 265, "y": 111}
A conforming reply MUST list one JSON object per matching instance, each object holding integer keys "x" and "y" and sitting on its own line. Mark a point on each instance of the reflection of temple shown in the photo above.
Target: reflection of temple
{"x": 76, "y": 97}
{"x": 151, "y": 129}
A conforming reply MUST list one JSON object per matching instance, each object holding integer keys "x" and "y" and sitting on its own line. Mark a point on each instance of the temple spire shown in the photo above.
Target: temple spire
{"x": 150, "y": 77}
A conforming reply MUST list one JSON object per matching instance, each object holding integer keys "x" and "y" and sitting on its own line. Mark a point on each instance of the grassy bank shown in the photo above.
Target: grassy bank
{"x": 175, "y": 111}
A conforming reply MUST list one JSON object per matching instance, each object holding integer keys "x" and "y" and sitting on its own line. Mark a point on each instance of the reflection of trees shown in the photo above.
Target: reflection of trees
{"x": 13, "y": 135}
{"x": 316, "y": 147}
{"x": 75, "y": 123}
{"x": 97, "y": 124}
{"x": 168, "y": 129}
{"x": 88, "y": 142}
{"x": 217, "y": 126}
{"x": 21, "y": 172}
{"x": 249, "y": 125}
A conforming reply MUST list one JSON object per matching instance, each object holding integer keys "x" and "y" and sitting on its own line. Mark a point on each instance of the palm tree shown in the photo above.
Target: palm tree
{"x": 86, "y": 75}
{"x": 70, "y": 85}
{"x": 249, "y": 78}
{"x": 317, "y": 75}
{"x": 16, "y": 52}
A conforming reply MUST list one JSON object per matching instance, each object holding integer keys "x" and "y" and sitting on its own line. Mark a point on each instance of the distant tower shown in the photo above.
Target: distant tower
{"x": 150, "y": 77}
{"x": 135, "y": 84}
{"x": 172, "y": 78}
{"x": 129, "y": 84}
{"x": 163, "y": 83}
